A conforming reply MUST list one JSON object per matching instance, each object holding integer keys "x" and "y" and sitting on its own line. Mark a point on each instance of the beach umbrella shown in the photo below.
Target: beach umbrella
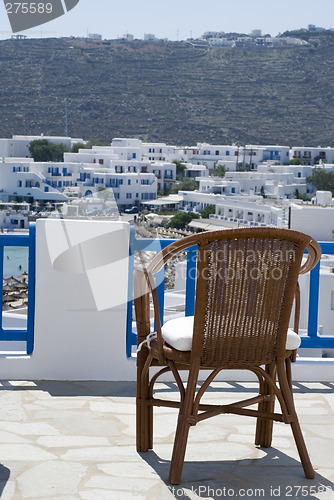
{"x": 7, "y": 288}
{"x": 20, "y": 285}
{"x": 9, "y": 298}
{"x": 24, "y": 275}
{"x": 10, "y": 280}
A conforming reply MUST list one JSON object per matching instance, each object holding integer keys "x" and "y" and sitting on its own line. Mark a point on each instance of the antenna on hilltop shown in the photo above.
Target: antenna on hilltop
{"x": 66, "y": 118}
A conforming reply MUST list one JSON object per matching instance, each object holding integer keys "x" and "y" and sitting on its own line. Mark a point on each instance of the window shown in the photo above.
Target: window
{"x": 19, "y": 184}
{"x": 217, "y": 152}
{"x": 129, "y": 195}
{"x": 129, "y": 182}
{"x": 101, "y": 161}
{"x": 332, "y": 301}
{"x": 227, "y": 153}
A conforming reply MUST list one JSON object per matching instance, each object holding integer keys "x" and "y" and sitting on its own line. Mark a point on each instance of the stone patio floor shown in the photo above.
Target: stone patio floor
{"x": 76, "y": 440}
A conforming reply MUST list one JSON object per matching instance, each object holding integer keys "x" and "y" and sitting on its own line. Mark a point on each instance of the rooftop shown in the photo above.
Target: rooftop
{"x": 76, "y": 440}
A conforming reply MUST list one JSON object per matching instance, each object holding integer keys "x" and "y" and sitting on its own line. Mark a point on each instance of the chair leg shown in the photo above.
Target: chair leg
{"x": 295, "y": 426}
{"x": 179, "y": 451}
{"x": 264, "y": 427}
{"x": 182, "y": 430}
{"x": 144, "y": 414}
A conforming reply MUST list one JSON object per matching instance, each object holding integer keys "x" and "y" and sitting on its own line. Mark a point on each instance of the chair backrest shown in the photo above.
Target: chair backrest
{"x": 245, "y": 285}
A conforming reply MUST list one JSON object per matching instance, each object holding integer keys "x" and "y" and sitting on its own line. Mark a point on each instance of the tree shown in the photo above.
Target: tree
{"x": 209, "y": 209}
{"x": 295, "y": 161}
{"x": 78, "y": 145}
{"x": 43, "y": 150}
{"x": 219, "y": 171}
{"x": 301, "y": 196}
{"x": 322, "y": 180}
{"x": 88, "y": 145}
{"x": 182, "y": 219}
{"x": 93, "y": 142}
{"x": 187, "y": 185}
{"x": 180, "y": 168}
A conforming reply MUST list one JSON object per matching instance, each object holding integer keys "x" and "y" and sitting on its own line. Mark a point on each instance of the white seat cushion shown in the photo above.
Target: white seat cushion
{"x": 178, "y": 333}
{"x": 293, "y": 340}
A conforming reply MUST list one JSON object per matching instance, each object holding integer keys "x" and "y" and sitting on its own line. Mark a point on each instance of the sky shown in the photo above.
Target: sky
{"x": 180, "y": 19}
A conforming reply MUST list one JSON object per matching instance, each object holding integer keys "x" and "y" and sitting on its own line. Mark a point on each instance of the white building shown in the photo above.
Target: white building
{"x": 156, "y": 151}
{"x": 195, "y": 171}
{"x": 19, "y": 181}
{"x": 220, "y": 42}
{"x": 311, "y": 156}
{"x": 18, "y": 145}
{"x": 247, "y": 213}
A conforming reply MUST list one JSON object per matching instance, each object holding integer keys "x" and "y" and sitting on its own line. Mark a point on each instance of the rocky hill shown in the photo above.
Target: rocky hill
{"x": 168, "y": 91}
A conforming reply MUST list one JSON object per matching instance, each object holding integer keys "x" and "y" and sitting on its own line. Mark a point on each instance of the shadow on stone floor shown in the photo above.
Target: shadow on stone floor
{"x": 128, "y": 389}
{"x": 276, "y": 475}
{"x": 4, "y": 476}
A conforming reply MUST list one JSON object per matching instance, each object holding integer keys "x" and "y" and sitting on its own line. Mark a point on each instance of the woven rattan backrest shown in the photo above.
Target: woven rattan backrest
{"x": 248, "y": 285}
{"x": 246, "y": 281}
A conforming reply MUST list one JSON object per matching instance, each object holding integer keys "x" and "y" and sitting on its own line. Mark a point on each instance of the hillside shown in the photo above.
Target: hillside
{"x": 168, "y": 91}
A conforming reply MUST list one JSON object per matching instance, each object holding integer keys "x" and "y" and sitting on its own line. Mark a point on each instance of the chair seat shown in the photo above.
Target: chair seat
{"x": 178, "y": 333}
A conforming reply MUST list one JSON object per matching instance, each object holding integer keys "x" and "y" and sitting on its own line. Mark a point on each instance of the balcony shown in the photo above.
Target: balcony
{"x": 76, "y": 440}
{"x": 68, "y": 407}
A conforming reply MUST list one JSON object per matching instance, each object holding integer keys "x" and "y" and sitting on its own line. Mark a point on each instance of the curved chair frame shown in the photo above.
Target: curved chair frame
{"x": 268, "y": 365}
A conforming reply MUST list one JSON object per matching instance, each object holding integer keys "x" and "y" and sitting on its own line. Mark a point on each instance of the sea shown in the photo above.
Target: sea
{"x": 15, "y": 261}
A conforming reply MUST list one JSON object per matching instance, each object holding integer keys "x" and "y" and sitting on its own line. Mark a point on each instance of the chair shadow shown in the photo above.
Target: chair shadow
{"x": 276, "y": 475}
{"x": 60, "y": 388}
{"x": 4, "y": 476}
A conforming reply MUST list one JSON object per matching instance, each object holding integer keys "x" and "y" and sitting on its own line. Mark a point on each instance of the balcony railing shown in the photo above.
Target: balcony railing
{"x": 21, "y": 240}
{"x": 311, "y": 340}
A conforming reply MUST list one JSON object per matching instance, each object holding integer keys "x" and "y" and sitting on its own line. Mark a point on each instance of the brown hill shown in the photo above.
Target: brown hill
{"x": 168, "y": 91}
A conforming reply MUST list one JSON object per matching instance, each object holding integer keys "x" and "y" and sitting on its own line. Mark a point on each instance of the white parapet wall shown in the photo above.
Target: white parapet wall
{"x": 81, "y": 304}
{"x": 82, "y": 273}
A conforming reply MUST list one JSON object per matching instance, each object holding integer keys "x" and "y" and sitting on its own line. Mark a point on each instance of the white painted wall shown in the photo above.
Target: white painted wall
{"x": 81, "y": 304}
{"x": 316, "y": 221}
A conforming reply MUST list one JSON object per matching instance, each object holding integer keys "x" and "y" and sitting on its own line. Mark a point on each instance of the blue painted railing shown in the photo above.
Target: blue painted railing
{"x": 311, "y": 340}
{"x": 21, "y": 240}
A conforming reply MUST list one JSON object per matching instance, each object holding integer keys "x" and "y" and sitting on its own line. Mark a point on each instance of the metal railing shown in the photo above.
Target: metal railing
{"x": 21, "y": 240}
{"x": 311, "y": 340}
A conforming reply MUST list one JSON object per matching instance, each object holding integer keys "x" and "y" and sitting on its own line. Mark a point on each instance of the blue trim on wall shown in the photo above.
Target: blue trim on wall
{"x": 21, "y": 240}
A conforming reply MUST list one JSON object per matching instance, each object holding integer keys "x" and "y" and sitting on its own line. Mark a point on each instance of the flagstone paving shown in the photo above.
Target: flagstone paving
{"x": 76, "y": 440}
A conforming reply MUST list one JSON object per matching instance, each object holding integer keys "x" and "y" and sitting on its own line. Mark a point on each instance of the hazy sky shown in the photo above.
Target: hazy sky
{"x": 181, "y": 19}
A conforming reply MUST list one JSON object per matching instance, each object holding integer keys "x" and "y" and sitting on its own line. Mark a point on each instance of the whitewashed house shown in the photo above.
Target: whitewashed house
{"x": 18, "y": 145}
{"x": 311, "y": 156}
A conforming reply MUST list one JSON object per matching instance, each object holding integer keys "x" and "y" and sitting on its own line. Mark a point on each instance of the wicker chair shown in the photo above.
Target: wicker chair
{"x": 247, "y": 280}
